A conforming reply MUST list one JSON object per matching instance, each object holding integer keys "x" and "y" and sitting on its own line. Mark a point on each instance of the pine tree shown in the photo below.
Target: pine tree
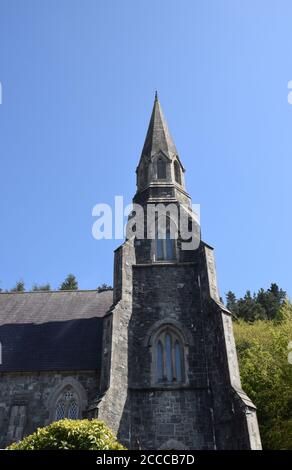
{"x": 231, "y": 302}
{"x": 70, "y": 283}
{"x": 264, "y": 305}
{"x": 276, "y": 297}
{"x": 19, "y": 287}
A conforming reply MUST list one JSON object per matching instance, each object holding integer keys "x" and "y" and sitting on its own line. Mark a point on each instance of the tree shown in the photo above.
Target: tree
{"x": 274, "y": 299}
{"x": 266, "y": 374}
{"x": 248, "y": 309}
{"x": 104, "y": 287}
{"x": 70, "y": 283}
{"x": 19, "y": 287}
{"x": 264, "y": 304}
{"x": 41, "y": 287}
{"x": 70, "y": 434}
{"x": 231, "y": 302}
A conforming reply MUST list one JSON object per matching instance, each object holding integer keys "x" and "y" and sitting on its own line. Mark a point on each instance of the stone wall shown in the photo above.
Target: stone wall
{"x": 114, "y": 377}
{"x": 26, "y": 399}
{"x": 208, "y": 411}
{"x": 160, "y": 417}
{"x": 183, "y": 413}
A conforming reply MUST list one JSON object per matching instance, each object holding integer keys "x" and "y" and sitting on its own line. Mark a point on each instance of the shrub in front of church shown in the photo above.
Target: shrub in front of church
{"x": 68, "y": 434}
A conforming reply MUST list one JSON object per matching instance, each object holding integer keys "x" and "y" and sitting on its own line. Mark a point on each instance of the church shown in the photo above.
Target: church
{"x": 155, "y": 358}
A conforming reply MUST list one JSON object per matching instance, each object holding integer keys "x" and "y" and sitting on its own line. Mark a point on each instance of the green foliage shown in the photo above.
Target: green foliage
{"x": 70, "y": 434}
{"x": 70, "y": 283}
{"x": 104, "y": 287}
{"x": 231, "y": 303}
{"x": 19, "y": 287}
{"x": 264, "y": 305}
{"x": 41, "y": 287}
{"x": 267, "y": 375}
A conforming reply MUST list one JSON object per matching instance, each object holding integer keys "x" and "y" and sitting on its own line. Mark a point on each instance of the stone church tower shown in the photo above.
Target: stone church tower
{"x": 156, "y": 357}
{"x": 170, "y": 377}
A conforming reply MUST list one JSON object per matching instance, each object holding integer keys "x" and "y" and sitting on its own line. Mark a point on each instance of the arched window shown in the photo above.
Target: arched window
{"x": 159, "y": 355}
{"x": 165, "y": 242}
{"x": 60, "y": 411}
{"x": 169, "y": 357}
{"x": 178, "y": 360}
{"x": 161, "y": 169}
{"x": 67, "y": 405}
{"x": 177, "y": 173}
{"x": 73, "y": 410}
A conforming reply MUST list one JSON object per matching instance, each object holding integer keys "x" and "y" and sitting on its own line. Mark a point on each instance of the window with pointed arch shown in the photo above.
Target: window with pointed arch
{"x": 67, "y": 405}
{"x": 165, "y": 241}
{"x": 177, "y": 173}
{"x": 169, "y": 357}
{"x": 161, "y": 168}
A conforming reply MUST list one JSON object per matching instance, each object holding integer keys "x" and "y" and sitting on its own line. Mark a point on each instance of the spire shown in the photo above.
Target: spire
{"x": 158, "y": 136}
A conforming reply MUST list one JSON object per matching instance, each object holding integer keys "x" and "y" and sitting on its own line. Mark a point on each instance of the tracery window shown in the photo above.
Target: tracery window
{"x": 169, "y": 357}
{"x": 67, "y": 405}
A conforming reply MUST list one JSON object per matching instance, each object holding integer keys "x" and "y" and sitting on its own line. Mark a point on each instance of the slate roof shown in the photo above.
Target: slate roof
{"x": 41, "y": 331}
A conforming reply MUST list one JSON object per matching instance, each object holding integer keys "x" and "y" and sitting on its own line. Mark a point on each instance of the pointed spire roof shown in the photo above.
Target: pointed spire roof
{"x": 158, "y": 136}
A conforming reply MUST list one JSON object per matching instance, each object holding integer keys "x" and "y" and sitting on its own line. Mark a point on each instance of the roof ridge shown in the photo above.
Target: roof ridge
{"x": 54, "y": 291}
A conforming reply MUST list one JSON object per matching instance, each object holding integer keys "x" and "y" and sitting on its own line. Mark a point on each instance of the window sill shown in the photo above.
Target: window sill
{"x": 165, "y": 263}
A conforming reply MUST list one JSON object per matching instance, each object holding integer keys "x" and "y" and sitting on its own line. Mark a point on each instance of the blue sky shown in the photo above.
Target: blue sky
{"x": 78, "y": 81}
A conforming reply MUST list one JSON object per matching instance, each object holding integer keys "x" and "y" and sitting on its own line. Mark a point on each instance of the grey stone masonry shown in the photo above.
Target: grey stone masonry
{"x": 28, "y": 399}
{"x": 206, "y": 407}
{"x": 155, "y": 359}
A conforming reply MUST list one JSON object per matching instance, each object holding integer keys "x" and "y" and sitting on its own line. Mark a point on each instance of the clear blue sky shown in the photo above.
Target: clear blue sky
{"x": 78, "y": 81}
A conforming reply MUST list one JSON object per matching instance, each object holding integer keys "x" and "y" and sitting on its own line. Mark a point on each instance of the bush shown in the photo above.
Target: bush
{"x": 266, "y": 374}
{"x": 69, "y": 434}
